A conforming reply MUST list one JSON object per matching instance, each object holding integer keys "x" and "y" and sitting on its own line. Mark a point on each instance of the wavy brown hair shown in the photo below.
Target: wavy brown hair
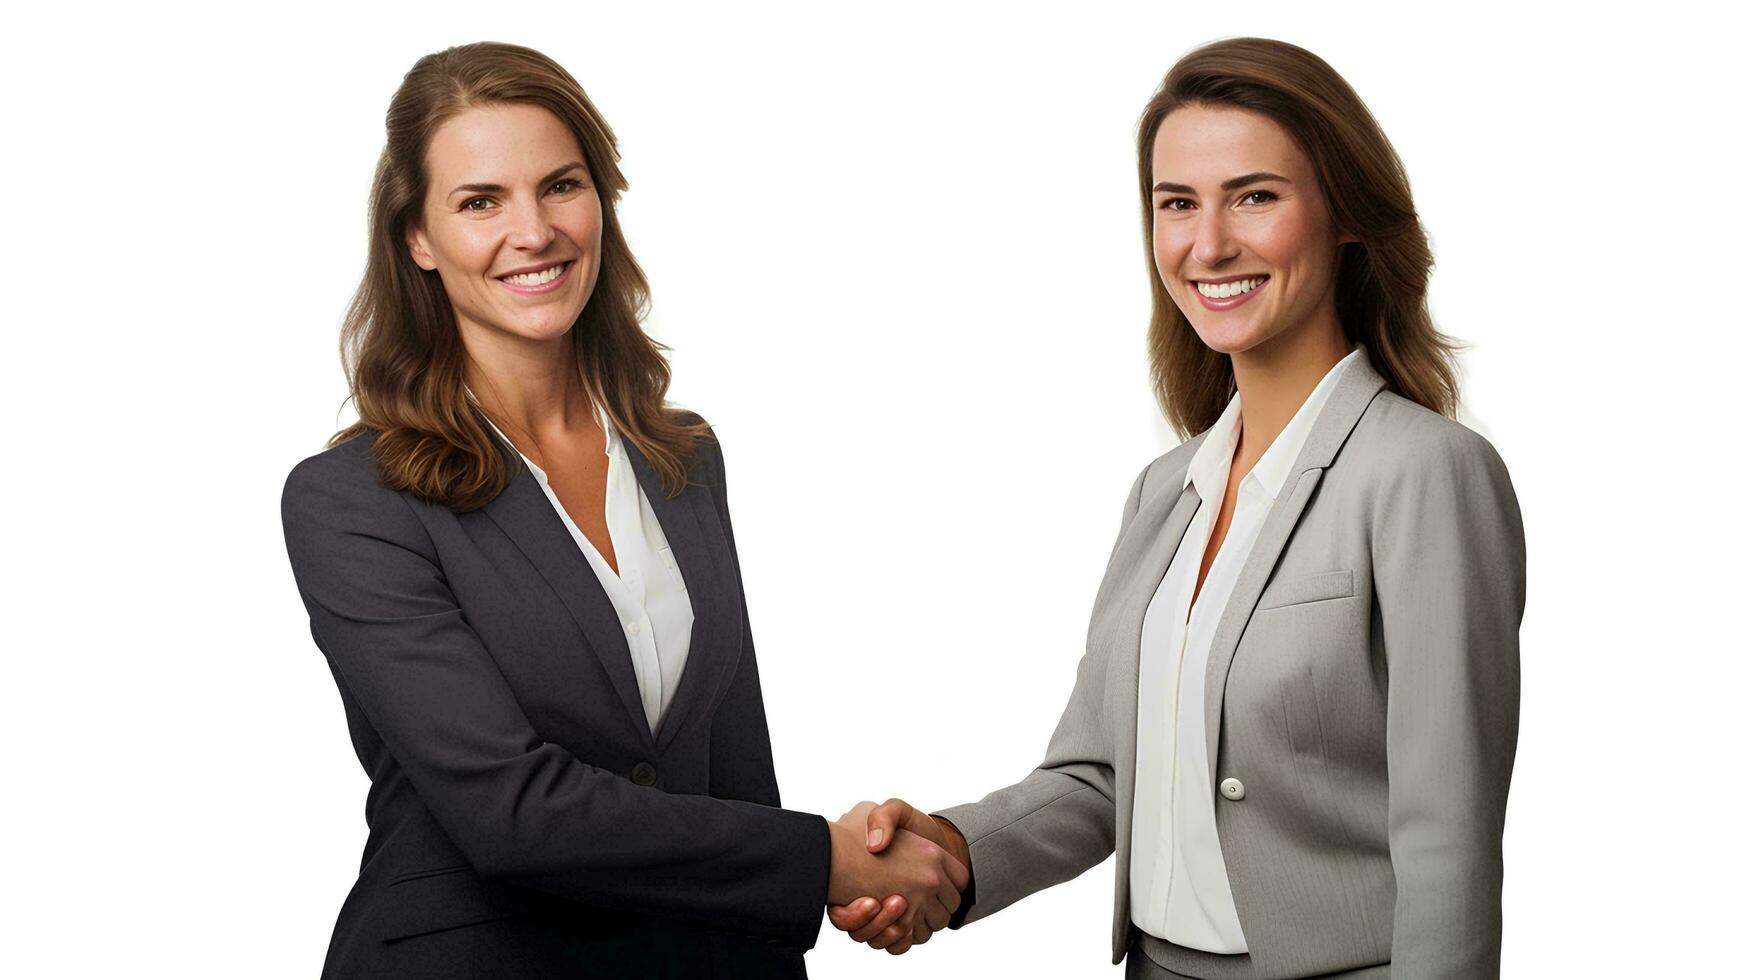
{"x": 402, "y": 353}
{"x": 1381, "y": 280}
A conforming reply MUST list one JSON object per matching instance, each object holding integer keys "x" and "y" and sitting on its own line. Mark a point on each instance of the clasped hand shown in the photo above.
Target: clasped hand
{"x": 917, "y": 862}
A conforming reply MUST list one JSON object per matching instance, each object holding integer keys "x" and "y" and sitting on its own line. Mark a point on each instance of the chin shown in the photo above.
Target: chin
{"x": 545, "y": 324}
{"x": 1230, "y": 340}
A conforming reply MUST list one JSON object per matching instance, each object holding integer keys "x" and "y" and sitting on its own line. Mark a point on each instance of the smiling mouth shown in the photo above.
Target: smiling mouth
{"x": 1226, "y": 290}
{"x": 540, "y": 278}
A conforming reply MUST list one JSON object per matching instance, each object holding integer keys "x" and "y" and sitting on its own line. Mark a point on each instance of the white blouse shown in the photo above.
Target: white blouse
{"x": 648, "y": 593}
{"x": 1178, "y": 879}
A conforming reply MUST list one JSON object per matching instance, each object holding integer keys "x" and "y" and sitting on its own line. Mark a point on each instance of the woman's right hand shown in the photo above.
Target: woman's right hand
{"x": 878, "y": 923}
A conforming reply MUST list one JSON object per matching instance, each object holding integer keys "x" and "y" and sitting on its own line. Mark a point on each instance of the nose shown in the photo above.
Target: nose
{"x": 1214, "y": 243}
{"x": 530, "y": 228}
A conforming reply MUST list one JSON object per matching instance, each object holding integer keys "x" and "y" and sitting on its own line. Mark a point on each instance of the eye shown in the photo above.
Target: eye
{"x": 1170, "y": 204}
{"x": 1267, "y": 196}
{"x": 468, "y": 205}
{"x": 567, "y": 184}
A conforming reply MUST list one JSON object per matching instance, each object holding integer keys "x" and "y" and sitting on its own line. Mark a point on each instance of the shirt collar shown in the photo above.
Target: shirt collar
{"x": 1214, "y": 458}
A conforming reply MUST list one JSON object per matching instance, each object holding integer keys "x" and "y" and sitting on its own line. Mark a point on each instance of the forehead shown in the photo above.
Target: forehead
{"x": 1200, "y": 145}
{"x": 499, "y": 143}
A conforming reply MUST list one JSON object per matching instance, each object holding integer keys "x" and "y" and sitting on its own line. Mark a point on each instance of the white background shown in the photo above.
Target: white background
{"x": 897, "y": 252}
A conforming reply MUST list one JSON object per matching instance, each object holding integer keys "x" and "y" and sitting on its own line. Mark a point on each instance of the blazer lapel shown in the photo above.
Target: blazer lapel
{"x": 1355, "y": 389}
{"x": 1150, "y": 554}
{"x": 701, "y": 549}
{"x": 527, "y": 517}
{"x": 1138, "y": 563}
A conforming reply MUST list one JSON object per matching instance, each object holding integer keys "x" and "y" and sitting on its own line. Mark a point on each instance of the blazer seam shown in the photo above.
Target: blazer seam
{"x": 1033, "y": 812}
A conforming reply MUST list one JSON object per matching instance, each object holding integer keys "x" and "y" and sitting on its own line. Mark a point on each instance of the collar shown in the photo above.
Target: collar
{"x": 1214, "y": 457}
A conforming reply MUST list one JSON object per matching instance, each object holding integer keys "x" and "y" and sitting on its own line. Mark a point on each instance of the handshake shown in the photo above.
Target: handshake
{"x": 920, "y": 863}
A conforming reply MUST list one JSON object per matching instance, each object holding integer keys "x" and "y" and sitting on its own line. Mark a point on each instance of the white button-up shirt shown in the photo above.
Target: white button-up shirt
{"x": 1178, "y": 879}
{"x": 648, "y": 593}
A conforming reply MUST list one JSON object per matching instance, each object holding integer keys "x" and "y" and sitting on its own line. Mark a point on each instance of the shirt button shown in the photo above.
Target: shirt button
{"x": 1232, "y": 789}
{"x": 644, "y": 774}
{"x": 633, "y": 629}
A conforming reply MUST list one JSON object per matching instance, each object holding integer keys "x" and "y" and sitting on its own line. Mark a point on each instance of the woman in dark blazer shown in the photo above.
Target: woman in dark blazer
{"x": 1296, "y": 716}
{"x": 520, "y": 568}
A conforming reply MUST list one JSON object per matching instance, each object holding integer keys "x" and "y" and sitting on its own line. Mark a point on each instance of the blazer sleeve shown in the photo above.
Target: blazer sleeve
{"x": 1062, "y": 818}
{"x": 522, "y": 810}
{"x": 1449, "y": 580}
{"x": 741, "y": 764}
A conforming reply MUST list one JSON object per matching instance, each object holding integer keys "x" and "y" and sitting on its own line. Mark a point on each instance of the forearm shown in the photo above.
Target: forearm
{"x": 1447, "y": 924}
{"x": 719, "y": 863}
{"x": 1039, "y": 832}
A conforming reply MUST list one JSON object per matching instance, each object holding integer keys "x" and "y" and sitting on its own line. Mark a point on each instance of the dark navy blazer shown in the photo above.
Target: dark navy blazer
{"x": 524, "y": 820}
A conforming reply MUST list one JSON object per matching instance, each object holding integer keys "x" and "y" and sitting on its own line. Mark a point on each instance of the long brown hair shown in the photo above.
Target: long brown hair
{"x": 1381, "y": 280}
{"x": 402, "y": 353}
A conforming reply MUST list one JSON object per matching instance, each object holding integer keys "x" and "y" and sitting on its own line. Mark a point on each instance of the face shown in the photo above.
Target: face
{"x": 511, "y": 222}
{"x": 1243, "y": 240}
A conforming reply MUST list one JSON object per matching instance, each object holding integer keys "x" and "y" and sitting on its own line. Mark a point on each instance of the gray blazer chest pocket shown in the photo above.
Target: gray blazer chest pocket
{"x": 1301, "y": 589}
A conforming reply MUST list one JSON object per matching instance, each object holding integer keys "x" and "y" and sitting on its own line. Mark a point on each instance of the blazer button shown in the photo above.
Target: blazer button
{"x": 1232, "y": 789}
{"x": 644, "y": 774}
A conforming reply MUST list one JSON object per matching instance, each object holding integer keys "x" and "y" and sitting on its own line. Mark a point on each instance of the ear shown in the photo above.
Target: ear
{"x": 420, "y": 247}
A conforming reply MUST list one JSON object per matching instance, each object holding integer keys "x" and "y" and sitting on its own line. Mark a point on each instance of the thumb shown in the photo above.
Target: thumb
{"x": 884, "y": 822}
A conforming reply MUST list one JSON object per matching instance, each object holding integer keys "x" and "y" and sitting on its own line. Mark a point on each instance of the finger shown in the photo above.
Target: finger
{"x": 889, "y": 937}
{"x": 857, "y": 813}
{"x": 901, "y": 932}
{"x": 921, "y": 932}
{"x": 948, "y": 895}
{"x": 899, "y": 948}
{"x": 856, "y": 915}
{"x": 957, "y": 873}
{"x": 937, "y": 916}
{"x": 884, "y": 821}
{"x": 889, "y": 913}
{"x": 892, "y": 934}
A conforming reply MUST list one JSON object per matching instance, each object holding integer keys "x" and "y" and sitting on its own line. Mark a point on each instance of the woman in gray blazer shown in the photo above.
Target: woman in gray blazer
{"x": 520, "y": 567}
{"x": 1296, "y": 716}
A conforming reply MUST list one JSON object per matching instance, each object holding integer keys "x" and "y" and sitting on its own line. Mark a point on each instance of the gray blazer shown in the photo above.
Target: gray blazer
{"x": 1362, "y": 686}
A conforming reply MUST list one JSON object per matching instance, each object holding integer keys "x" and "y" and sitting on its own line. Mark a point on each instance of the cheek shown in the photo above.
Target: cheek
{"x": 469, "y": 250}
{"x": 1169, "y": 248}
{"x": 1294, "y": 240}
{"x": 583, "y": 224}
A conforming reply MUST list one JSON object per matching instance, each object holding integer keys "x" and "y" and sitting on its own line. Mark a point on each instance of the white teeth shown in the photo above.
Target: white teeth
{"x": 1226, "y": 289}
{"x": 537, "y": 278}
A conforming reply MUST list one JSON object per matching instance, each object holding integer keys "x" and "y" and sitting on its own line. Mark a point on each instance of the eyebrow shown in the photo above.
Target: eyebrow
{"x": 1236, "y": 182}
{"x": 499, "y": 188}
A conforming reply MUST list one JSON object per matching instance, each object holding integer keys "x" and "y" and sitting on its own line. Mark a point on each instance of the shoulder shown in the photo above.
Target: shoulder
{"x": 1401, "y": 438}
{"x": 705, "y": 458}
{"x": 347, "y": 467}
{"x": 336, "y": 492}
{"x": 1419, "y": 468}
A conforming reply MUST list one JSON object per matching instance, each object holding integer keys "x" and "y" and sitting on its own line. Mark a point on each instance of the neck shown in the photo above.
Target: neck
{"x": 531, "y": 389}
{"x": 1274, "y": 380}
